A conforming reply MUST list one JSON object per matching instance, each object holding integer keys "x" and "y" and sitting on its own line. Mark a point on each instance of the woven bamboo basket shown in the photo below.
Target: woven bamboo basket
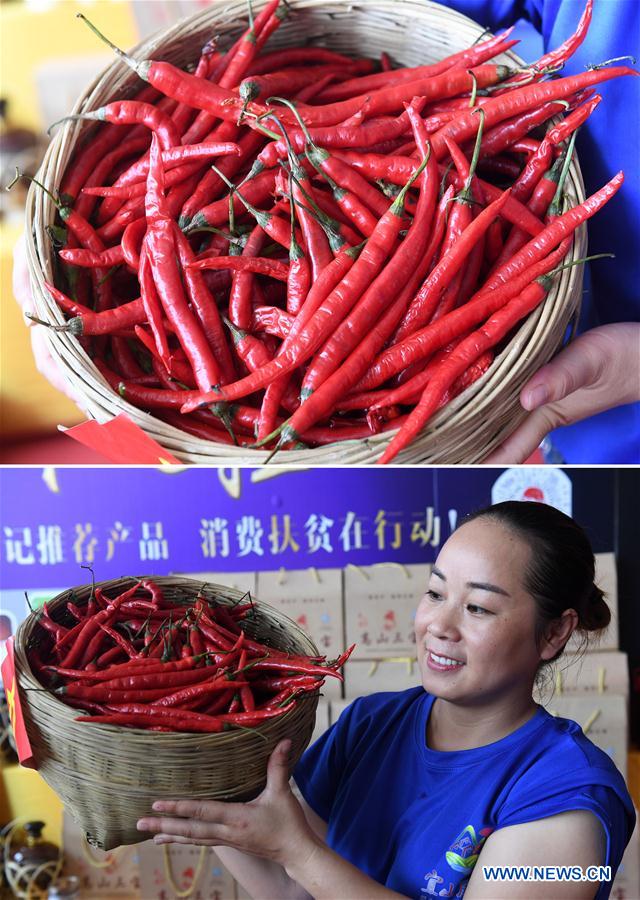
{"x": 413, "y": 32}
{"x": 108, "y": 776}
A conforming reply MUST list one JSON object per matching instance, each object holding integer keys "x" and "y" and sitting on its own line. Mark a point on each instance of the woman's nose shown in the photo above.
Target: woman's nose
{"x": 443, "y": 622}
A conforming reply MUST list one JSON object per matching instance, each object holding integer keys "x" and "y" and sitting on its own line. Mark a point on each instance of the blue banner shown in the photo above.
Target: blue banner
{"x": 123, "y": 521}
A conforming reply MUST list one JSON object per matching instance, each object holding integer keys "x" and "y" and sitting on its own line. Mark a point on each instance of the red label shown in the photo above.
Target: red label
{"x": 121, "y": 441}
{"x": 25, "y": 753}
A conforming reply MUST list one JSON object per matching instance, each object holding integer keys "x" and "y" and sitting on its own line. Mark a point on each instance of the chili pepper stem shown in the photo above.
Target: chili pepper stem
{"x": 592, "y": 67}
{"x": 252, "y": 209}
{"x": 222, "y": 411}
{"x": 65, "y": 327}
{"x": 95, "y": 115}
{"x": 141, "y": 68}
{"x": 270, "y": 437}
{"x": 20, "y": 175}
{"x": 576, "y": 262}
{"x": 554, "y": 208}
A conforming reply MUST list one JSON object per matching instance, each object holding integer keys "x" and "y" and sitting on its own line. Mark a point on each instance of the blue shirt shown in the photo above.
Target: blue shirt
{"x": 414, "y": 819}
{"x": 607, "y": 142}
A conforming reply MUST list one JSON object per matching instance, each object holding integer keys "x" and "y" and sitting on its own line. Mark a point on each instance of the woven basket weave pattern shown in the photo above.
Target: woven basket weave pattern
{"x": 108, "y": 777}
{"x": 413, "y": 32}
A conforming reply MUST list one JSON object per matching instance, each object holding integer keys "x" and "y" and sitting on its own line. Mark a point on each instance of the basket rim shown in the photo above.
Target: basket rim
{"x": 472, "y": 405}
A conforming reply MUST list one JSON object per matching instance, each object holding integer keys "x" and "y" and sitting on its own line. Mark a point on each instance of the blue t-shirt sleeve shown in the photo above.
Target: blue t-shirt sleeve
{"x": 600, "y": 799}
{"x": 598, "y": 790}
{"x": 320, "y": 768}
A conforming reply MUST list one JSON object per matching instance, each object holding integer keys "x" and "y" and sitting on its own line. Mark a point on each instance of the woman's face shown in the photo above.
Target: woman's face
{"x": 475, "y": 626}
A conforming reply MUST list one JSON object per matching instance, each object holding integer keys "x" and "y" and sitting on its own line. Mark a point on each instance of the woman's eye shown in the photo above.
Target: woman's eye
{"x": 433, "y": 595}
{"x": 478, "y": 610}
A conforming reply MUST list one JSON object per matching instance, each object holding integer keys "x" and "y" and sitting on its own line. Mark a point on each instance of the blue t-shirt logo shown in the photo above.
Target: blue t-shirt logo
{"x": 462, "y": 855}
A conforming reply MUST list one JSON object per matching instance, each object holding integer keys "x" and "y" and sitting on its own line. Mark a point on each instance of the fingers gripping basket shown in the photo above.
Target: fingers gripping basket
{"x": 413, "y": 32}
{"x": 108, "y": 777}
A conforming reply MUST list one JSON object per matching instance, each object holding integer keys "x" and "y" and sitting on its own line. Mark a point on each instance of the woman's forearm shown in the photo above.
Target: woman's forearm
{"x": 325, "y": 875}
{"x": 261, "y": 878}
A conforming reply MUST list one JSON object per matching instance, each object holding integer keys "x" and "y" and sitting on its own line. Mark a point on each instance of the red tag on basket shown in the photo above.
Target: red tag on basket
{"x": 121, "y": 441}
{"x": 25, "y": 753}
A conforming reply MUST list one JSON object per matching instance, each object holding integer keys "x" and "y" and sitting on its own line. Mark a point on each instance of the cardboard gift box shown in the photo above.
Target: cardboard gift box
{"x": 239, "y": 581}
{"x": 102, "y": 873}
{"x": 167, "y": 871}
{"x": 336, "y": 707}
{"x": 586, "y": 673}
{"x": 603, "y": 718}
{"x": 626, "y": 884}
{"x": 313, "y": 599}
{"x": 380, "y": 606}
{"x": 368, "y": 676}
{"x": 322, "y": 720}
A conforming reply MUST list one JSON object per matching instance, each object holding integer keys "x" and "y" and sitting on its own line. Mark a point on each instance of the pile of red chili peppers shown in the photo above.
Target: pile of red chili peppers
{"x": 143, "y": 661}
{"x": 290, "y": 248}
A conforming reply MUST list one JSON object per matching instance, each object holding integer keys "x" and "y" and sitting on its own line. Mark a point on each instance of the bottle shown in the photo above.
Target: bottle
{"x": 35, "y": 852}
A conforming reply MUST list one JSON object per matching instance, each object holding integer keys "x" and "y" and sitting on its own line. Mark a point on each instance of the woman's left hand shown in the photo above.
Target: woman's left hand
{"x": 273, "y": 826}
{"x": 597, "y": 371}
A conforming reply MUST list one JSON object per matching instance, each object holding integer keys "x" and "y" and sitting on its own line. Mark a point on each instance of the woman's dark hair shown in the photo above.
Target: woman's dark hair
{"x": 562, "y": 565}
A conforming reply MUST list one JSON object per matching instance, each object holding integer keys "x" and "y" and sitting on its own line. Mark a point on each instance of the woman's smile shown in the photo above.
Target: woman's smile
{"x": 441, "y": 663}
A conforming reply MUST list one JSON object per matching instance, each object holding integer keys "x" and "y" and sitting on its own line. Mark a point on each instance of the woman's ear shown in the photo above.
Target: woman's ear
{"x": 558, "y": 633}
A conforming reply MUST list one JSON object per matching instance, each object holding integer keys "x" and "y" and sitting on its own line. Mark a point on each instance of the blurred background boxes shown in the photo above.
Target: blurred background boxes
{"x": 606, "y": 578}
{"x": 239, "y": 581}
{"x": 586, "y": 674}
{"x": 604, "y": 720}
{"x": 626, "y": 885}
{"x": 168, "y": 871}
{"x": 385, "y": 674}
{"x": 322, "y": 720}
{"x": 380, "y": 606}
{"x": 313, "y": 599}
{"x": 336, "y": 708}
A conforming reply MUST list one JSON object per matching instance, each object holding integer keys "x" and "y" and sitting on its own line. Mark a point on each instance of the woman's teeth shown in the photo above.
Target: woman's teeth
{"x": 445, "y": 660}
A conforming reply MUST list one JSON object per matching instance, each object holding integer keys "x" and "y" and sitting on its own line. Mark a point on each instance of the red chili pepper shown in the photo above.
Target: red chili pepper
{"x": 160, "y": 241}
{"x": 257, "y": 265}
{"x": 464, "y": 355}
{"x": 562, "y": 227}
{"x": 562, "y": 53}
{"x": 85, "y": 204}
{"x": 83, "y": 649}
{"x": 464, "y": 59}
{"x": 215, "y": 214}
{"x": 134, "y": 112}
{"x": 137, "y": 715}
{"x": 518, "y": 101}
{"x": 151, "y": 302}
{"x": 435, "y": 335}
{"x": 390, "y": 99}
{"x": 423, "y": 306}
{"x": 304, "y": 333}
{"x": 210, "y": 186}
{"x": 292, "y": 56}
{"x": 213, "y": 685}
{"x": 58, "y": 631}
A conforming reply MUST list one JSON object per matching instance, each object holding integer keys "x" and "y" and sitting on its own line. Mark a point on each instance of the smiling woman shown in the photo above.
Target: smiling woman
{"x": 507, "y": 591}
{"x": 416, "y": 793}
